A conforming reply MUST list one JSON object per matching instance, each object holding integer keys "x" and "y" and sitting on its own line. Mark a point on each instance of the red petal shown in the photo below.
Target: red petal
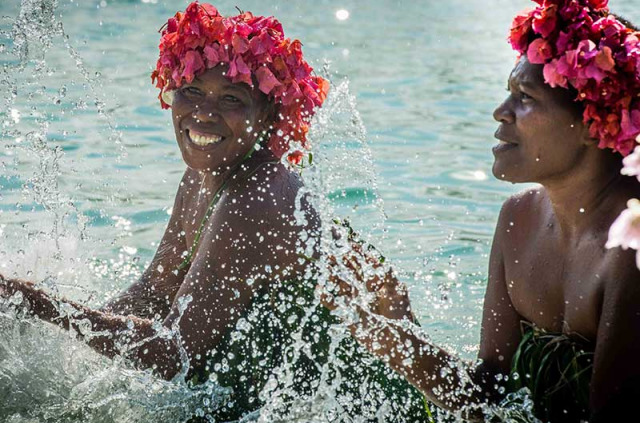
{"x": 192, "y": 64}
{"x": 266, "y": 80}
{"x": 212, "y": 56}
{"x": 604, "y": 59}
{"x": 240, "y": 44}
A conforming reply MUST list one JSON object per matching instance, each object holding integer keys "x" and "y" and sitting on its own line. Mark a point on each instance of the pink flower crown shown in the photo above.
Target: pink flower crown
{"x": 252, "y": 47}
{"x": 580, "y": 44}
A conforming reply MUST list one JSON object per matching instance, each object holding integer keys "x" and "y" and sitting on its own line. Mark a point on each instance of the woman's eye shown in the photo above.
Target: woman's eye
{"x": 231, "y": 99}
{"x": 192, "y": 91}
{"x": 525, "y": 96}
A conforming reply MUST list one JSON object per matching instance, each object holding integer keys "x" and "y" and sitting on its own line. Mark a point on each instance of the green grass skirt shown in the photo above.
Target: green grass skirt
{"x": 556, "y": 371}
{"x": 284, "y": 348}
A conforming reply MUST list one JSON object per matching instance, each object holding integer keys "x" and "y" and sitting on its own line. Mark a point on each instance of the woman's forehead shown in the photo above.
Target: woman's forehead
{"x": 217, "y": 76}
{"x": 530, "y": 76}
{"x": 526, "y": 73}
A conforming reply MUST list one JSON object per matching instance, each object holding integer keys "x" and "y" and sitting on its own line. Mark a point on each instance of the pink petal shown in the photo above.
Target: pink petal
{"x": 632, "y": 164}
{"x": 551, "y": 75}
{"x": 172, "y": 25}
{"x": 594, "y": 72}
{"x": 618, "y": 231}
{"x": 243, "y": 73}
{"x": 240, "y": 44}
{"x": 539, "y": 51}
{"x": 625, "y": 230}
{"x": 544, "y": 21}
{"x": 266, "y": 80}
{"x": 212, "y": 56}
{"x": 261, "y": 44}
{"x": 604, "y": 59}
{"x": 630, "y": 123}
{"x": 192, "y": 64}
{"x": 292, "y": 94}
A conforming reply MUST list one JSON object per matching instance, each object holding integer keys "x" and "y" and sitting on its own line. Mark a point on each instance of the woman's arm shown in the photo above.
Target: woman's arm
{"x": 216, "y": 291}
{"x": 615, "y": 382}
{"x": 442, "y": 377}
{"x": 155, "y": 291}
{"x": 108, "y": 334}
{"x": 385, "y": 327}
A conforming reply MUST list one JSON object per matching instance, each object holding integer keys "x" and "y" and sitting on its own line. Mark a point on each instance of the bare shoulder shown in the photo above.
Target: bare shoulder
{"x": 524, "y": 201}
{"x": 521, "y": 210}
{"x": 257, "y": 215}
{"x": 187, "y": 187}
{"x": 268, "y": 192}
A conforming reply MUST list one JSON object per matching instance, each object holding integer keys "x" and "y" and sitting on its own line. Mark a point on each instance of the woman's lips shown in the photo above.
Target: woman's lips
{"x": 503, "y": 144}
{"x": 202, "y": 140}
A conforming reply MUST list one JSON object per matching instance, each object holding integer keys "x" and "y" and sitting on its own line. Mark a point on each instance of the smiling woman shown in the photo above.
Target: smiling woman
{"x": 228, "y": 298}
{"x": 215, "y": 119}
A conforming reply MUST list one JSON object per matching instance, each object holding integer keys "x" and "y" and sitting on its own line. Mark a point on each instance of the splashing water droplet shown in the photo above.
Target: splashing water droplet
{"x": 17, "y": 298}
{"x": 84, "y": 326}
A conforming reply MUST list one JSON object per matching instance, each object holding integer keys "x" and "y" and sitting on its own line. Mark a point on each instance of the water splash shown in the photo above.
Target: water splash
{"x": 50, "y": 382}
{"x": 25, "y": 127}
{"x": 342, "y": 181}
{"x": 517, "y": 407}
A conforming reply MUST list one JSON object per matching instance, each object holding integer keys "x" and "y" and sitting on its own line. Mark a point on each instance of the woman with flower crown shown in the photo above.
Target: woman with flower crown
{"x": 561, "y": 312}
{"x": 228, "y": 297}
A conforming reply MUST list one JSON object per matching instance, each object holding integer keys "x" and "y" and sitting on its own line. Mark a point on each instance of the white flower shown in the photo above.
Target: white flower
{"x": 632, "y": 163}
{"x": 625, "y": 231}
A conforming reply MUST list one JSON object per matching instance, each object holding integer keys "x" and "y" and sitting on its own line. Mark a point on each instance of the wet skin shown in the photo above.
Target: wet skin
{"x": 548, "y": 265}
{"x": 252, "y": 229}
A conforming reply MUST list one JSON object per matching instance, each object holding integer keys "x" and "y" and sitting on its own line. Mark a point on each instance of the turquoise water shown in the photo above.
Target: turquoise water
{"x": 89, "y": 201}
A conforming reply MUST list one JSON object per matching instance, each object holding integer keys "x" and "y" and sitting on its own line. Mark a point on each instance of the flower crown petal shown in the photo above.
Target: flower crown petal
{"x": 581, "y": 45}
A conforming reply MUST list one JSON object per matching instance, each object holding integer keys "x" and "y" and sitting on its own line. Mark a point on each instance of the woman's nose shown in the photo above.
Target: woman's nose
{"x": 503, "y": 113}
{"x": 206, "y": 112}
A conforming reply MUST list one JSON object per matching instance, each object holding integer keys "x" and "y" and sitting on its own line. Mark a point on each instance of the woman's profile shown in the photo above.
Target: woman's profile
{"x": 561, "y": 313}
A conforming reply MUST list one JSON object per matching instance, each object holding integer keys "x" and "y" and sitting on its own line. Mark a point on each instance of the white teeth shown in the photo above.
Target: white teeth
{"x": 203, "y": 140}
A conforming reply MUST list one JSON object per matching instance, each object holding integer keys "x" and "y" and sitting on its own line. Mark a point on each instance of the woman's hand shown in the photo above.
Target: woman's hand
{"x": 390, "y": 299}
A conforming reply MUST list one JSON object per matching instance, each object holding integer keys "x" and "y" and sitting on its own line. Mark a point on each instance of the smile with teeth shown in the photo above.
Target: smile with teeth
{"x": 203, "y": 139}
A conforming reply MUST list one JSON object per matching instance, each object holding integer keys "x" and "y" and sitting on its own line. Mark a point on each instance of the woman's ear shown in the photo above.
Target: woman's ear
{"x": 268, "y": 115}
{"x": 585, "y": 134}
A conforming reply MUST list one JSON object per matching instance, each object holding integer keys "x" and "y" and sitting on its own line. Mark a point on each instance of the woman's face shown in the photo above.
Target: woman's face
{"x": 216, "y": 121}
{"x": 542, "y": 136}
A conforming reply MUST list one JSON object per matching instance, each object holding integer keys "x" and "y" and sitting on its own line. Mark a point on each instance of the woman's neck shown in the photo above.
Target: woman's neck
{"x": 585, "y": 197}
{"x": 211, "y": 181}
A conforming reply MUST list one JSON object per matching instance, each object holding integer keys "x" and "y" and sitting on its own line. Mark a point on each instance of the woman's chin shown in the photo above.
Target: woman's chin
{"x": 504, "y": 174}
{"x": 199, "y": 165}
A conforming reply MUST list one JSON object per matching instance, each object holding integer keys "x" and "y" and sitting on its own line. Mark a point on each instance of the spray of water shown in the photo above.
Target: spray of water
{"x": 47, "y": 375}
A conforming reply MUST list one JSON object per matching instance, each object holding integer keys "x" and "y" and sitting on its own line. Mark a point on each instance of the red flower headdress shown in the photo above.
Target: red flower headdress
{"x": 252, "y": 46}
{"x": 583, "y": 46}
